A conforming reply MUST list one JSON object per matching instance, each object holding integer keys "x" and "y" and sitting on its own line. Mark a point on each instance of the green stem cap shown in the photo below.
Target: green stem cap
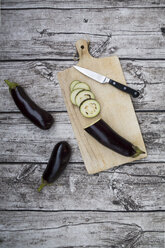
{"x": 11, "y": 85}
{"x": 42, "y": 185}
{"x": 137, "y": 151}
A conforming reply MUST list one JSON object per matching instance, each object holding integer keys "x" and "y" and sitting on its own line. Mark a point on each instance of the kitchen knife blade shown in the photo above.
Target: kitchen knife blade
{"x": 102, "y": 79}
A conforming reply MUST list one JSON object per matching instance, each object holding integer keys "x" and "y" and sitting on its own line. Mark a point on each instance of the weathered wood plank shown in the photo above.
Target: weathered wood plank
{"x": 82, "y": 229}
{"x": 39, "y": 80}
{"x": 80, "y": 4}
{"x": 47, "y": 33}
{"x": 44, "y": 34}
{"x": 21, "y": 141}
{"x": 135, "y": 188}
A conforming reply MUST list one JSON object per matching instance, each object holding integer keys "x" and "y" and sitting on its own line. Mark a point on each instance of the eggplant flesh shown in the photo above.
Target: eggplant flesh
{"x": 90, "y": 108}
{"x": 72, "y": 85}
{"x": 73, "y": 95}
{"x": 81, "y": 85}
{"x": 82, "y": 96}
{"x": 103, "y": 133}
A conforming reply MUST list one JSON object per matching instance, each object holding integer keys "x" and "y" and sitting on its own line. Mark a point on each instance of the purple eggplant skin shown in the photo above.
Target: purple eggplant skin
{"x": 103, "y": 133}
{"x": 38, "y": 116}
{"x": 57, "y": 163}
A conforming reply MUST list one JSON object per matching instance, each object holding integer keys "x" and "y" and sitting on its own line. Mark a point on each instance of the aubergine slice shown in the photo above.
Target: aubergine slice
{"x": 73, "y": 95}
{"x": 73, "y": 83}
{"x": 90, "y": 108}
{"x": 103, "y": 133}
{"x": 81, "y": 86}
{"x": 83, "y": 95}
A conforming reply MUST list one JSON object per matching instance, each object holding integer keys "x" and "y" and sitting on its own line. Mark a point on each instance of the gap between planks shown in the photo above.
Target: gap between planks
{"x": 86, "y": 8}
{"x": 71, "y": 60}
{"x": 128, "y": 164}
{"x": 56, "y": 111}
{"x": 82, "y": 211}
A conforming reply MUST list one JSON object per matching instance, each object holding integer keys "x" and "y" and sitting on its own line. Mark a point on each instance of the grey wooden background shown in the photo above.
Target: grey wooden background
{"x": 119, "y": 208}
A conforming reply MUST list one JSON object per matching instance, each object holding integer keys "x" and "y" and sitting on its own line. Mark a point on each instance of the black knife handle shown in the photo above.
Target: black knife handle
{"x": 124, "y": 88}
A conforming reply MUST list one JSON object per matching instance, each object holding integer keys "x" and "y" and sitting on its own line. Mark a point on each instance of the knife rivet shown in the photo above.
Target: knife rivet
{"x": 125, "y": 88}
{"x": 114, "y": 83}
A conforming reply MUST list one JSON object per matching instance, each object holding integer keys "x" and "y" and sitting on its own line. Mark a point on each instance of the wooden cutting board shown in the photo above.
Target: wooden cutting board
{"x": 116, "y": 109}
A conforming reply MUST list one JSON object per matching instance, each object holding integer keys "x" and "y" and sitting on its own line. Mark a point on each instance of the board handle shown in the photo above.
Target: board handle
{"x": 82, "y": 48}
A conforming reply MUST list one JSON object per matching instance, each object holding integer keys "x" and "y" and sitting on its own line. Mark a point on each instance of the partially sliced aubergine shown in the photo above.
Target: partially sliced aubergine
{"x": 73, "y": 95}
{"x": 108, "y": 137}
{"x": 90, "y": 108}
{"x": 72, "y": 85}
{"x": 83, "y": 95}
{"x": 81, "y": 86}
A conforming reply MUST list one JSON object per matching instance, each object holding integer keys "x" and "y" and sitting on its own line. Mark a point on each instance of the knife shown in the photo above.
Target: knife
{"x": 102, "y": 79}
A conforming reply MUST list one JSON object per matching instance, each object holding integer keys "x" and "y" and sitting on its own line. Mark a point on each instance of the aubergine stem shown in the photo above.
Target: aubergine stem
{"x": 138, "y": 151}
{"x": 42, "y": 185}
{"x": 11, "y": 85}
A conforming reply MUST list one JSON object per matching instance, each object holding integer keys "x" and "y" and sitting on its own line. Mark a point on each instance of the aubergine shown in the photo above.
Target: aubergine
{"x": 81, "y": 86}
{"x": 57, "y": 163}
{"x": 90, "y": 108}
{"x": 73, "y": 95}
{"x": 82, "y": 96}
{"x": 38, "y": 116}
{"x": 103, "y": 133}
{"x": 73, "y": 83}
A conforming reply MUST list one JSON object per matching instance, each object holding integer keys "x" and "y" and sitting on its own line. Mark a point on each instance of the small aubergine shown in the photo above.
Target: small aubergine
{"x": 57, "y": 163}
{"x": 103, "y": 133}
{"x": 38, "y": 116}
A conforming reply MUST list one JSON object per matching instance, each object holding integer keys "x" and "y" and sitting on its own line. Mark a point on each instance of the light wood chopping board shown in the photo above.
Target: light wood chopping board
{"x": 116, "y": 109}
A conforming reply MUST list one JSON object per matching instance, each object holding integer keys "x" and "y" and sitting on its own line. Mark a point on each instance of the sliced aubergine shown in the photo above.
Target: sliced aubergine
{"x": 73, "y": 95}
{"x": 83, "y": 95}
{"x": 90, "y": 108}
{"x": 103, "y": 133}
{"x": 81, "y": 86}
{"x": 72, "y": 85}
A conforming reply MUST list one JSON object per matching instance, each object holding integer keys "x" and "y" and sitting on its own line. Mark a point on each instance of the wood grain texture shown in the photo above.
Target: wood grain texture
{"x": 40, "y": 81}
{"x": 71, "y": 229}
{"x": 130, "y": 29}
{"x": 21, "y": 141}
{"x": 43, "y": 33}
{"x": 116, "y": 110}
{"x": 9, "y": 4}
{"x": 133, "y": 187}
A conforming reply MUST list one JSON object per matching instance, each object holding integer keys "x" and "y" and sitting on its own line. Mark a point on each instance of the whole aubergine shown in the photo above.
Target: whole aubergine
{"x": 103, "y": 133}
{"x": 38, "y": 116}
{"x": 57, "y": 163}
